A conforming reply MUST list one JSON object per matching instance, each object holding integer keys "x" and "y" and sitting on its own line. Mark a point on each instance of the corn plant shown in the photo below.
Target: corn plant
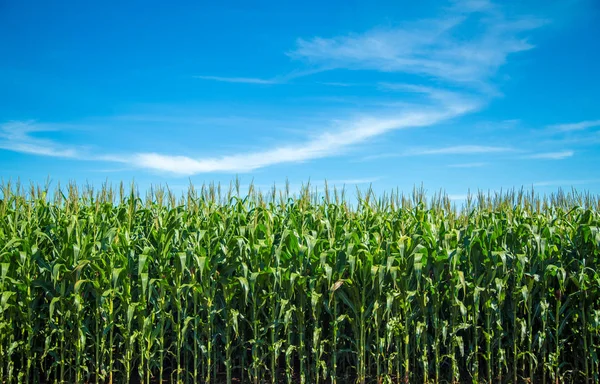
{"x": 219, "y": 286}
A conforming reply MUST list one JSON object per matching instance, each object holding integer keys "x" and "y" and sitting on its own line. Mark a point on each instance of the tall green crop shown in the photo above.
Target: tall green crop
{"x": 217, "y": 286}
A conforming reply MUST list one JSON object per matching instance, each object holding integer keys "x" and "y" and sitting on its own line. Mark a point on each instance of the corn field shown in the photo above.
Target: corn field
{"x": 223, "y": 286}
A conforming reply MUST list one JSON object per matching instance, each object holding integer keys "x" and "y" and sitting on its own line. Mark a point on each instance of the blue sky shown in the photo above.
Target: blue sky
{"x": 455, "y": 95}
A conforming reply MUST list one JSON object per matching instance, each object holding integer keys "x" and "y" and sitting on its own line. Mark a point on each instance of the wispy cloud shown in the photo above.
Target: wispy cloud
{"x": 245, "y": 80}
{"x": 503, "y": 125}
{"x": 280, "y": 79}
{"x": 332, "y": 142}
{"x": 20, "y": 137}
{"x": 452, "y": 150}
{"x": 461, "y": 150}
{"x": 457, "y": 197}
{"x": 337, "y": 84}
{"x": 468, "y": 165}
{"x": 565, "y": 183}
{"x": 434, "y": 93}
{"x": 353, "y": 181}
{"x": 575, "y": 126}
{"x": 429, "y": 47}
{"x": 551, "y": 155}
{"x": 437, "y": 48}
{"x": 110, "y": 170}
{"x": 335, "y": 140}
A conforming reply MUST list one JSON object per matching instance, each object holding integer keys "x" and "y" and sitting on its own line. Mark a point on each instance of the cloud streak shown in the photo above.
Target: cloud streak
{"x": 458, "y": 197}
{"x": 467, "y": 165}
{"x": 330, "y": 143}
{"x": 243, "y": 80}
{"x": 433, "y": 48}
{"x": 452, "y": 150}
{"x": 575, "y": 126}
{"x": 338, "y": 139}
{"x": 462, "y": 150}
{"x": 19, "y": 136}
{"x": 552, "y": 155}
{"x": 563, "y": 183}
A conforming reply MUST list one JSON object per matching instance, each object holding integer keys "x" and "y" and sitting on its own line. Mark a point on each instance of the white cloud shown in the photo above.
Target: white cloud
{"x": 552, "y": 155}
{"x": 337, "y": 139}
{"x": 564, "y": 183}
{"x": 462, "y": 150}
{"x": 453, "y": 150}
{"x": 575, "y": 126}
{"x": 245, "y": 80}
{"x": 330, "y": 143}
{"x": 467, "y": 165}
{"x": 503, "y": 125}
{"x": 457, "y": 197}
{"x": 434, "y": 48}
{"x": 19, "y": 136}
{"x": 353, "y": 181}
{"x": 433, "y": 93}
{"x": 337, "y": 84}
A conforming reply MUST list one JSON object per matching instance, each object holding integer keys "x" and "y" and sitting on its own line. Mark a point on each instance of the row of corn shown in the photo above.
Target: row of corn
{"x": 225, "y": 287}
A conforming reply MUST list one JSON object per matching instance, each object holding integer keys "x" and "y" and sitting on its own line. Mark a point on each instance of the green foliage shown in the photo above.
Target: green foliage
{"x": 107, "y": 287}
